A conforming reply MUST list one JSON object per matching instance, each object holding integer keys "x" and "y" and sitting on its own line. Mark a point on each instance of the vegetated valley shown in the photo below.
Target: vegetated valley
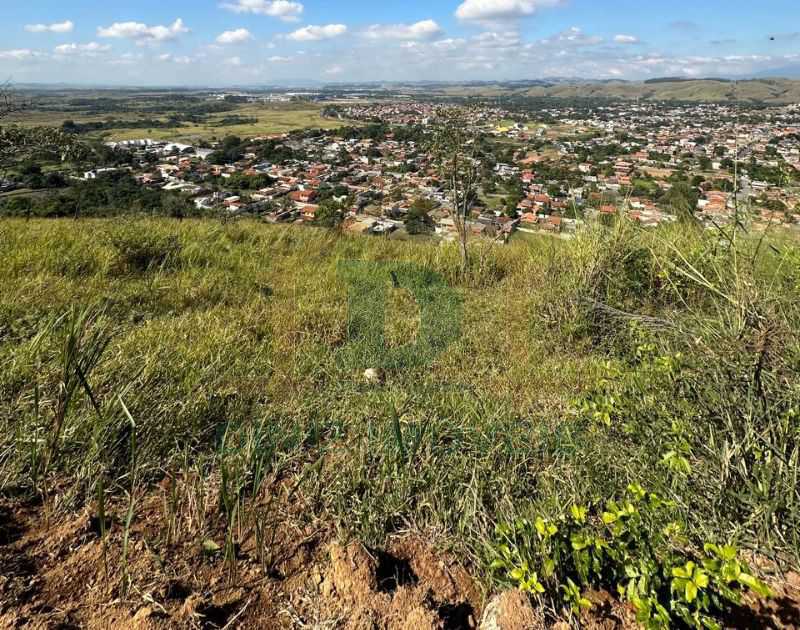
{"x": 235, "y": 424}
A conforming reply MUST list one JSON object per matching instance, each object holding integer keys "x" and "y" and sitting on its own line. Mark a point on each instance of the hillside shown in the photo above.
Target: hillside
{"x": 760, "y": 90}
{"x": 188, "y": 437}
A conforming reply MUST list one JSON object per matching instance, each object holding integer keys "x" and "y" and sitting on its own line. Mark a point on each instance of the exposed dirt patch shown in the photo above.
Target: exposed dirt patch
{"x": 405, "y": 586}
{"x": 61, "y": 573}
{"x": 512, "y": 610}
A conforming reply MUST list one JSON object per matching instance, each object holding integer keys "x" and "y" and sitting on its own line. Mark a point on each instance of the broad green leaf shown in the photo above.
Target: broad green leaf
{"x": 691, "y": 591}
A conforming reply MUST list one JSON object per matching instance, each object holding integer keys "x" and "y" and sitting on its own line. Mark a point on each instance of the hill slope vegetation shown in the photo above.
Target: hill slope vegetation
{"x": 185, "y": 425}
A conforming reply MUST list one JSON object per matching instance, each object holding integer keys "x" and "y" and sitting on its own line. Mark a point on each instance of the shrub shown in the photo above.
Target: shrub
{"x": 631, "y": 547}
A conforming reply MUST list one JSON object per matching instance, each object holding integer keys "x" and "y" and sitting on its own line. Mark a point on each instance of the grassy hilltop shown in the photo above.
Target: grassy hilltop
{"x": 197, "y": 388}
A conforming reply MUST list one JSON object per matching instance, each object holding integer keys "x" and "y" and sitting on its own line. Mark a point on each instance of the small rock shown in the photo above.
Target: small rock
{"x": 373, "y": 376}
{"x": 511, "y": 610}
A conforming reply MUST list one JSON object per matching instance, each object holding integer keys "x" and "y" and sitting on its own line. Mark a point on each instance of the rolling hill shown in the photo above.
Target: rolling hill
{"x": 755, "y": 90}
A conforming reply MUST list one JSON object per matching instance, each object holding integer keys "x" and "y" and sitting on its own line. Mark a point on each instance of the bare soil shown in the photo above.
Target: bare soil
{"x": 58, "y": 572}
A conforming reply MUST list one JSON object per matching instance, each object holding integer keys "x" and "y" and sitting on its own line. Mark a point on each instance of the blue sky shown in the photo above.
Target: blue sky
{"x": 225, "y": 42}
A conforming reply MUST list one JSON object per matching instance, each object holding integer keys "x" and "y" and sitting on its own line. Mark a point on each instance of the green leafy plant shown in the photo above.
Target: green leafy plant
{"x": 626, "y": 546}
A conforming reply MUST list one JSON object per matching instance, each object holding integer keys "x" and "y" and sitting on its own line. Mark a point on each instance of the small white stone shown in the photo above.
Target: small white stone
{"x": 373, "y": 376}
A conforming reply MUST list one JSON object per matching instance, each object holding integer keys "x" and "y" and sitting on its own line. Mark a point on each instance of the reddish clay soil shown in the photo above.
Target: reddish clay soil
{"x": 56, "y": 572}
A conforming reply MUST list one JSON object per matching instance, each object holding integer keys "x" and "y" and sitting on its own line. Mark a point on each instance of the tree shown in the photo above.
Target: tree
{"x": 682, "y": 200}
{"x": 9, "y": 102}
{"x": 329, "y": 214}
{"x": 454, "y": 152}
{"x": 175, "y": 206}
{"x": 417, "y": 220}
{"x": 21, "y": 143}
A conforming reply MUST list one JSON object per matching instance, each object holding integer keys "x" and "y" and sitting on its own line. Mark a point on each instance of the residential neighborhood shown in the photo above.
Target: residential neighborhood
{"x": 548, "y": 167}
{"x": 578, "y": 165}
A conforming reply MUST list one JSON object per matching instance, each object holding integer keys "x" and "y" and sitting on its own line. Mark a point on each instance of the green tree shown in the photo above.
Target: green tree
{"x": 417, "y": 220}
{"x": 681, "y": 200}
{"x": 329, "y": 214}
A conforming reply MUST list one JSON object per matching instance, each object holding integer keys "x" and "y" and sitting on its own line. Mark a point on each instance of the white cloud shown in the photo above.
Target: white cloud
{"x": 142, "y": 33}
{"x": 281, "y": 9}
{"x": 59, "y": 27}
{"x": 183, "y": 60}
{"x": 491, "y": 39}
{"x": 425, "y": 29}
{"x": 278, "y": 59}
{"x": 19, "y": 54}
{"x": 573, "y": 36}
{"x": 494, "y": 10}
{"x": 89, "y": 50}
{"x": 238, "y": 36}
{"x": 334, "y": 70}
{"x": 626, "y": 39}
{"x": 449, "y": 44}
{"x": 234, "y": 61}
{"x": 127, "y": 59}
{"x": 316, "y": 33}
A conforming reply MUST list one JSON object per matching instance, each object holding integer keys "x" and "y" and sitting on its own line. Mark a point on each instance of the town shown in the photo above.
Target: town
{"x": 545, "y": 167}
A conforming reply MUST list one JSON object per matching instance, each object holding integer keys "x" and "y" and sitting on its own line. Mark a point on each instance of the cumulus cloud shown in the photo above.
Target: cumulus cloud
{"x": 89, "y": 50}
{"x": 183, "y": 60}
{"x": 238, "y": 36}
{"x": 494, "y": 10}
{"x": 127, "y": 59}
{"x": 316, "y": 33}
{"x": 278, "y": 59}
{"x": 626, "y": 39}
{"x": 234, "y": 61}
{"x": 573, "y": 36}
{"x": 282, "y": 9}
{"x": 449, "y": 44}
{"x": 143, "y": 34}
{"x": 59, "y": 27}
{"x": 492, "y": 39}
{"x": 426, "y": 29}
{"x": 334, "y": 70}
{"x": 19, "y": 54}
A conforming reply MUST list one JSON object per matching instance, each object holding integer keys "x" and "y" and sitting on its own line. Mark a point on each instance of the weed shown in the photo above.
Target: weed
{"x": 627, "y": 546}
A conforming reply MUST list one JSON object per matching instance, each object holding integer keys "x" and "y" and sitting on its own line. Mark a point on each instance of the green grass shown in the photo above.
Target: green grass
{"x": 580, "y": 367}
{"x": 271, "y": 119}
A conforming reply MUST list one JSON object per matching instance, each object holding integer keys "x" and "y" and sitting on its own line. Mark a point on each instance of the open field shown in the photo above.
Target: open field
{"x": 269, "y": 119}
{"x": 186, "y": 429}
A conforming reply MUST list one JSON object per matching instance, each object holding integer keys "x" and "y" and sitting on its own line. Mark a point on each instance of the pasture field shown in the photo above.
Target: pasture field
{"x": 188, "y": 436}
{"x": 258, "y": 119}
